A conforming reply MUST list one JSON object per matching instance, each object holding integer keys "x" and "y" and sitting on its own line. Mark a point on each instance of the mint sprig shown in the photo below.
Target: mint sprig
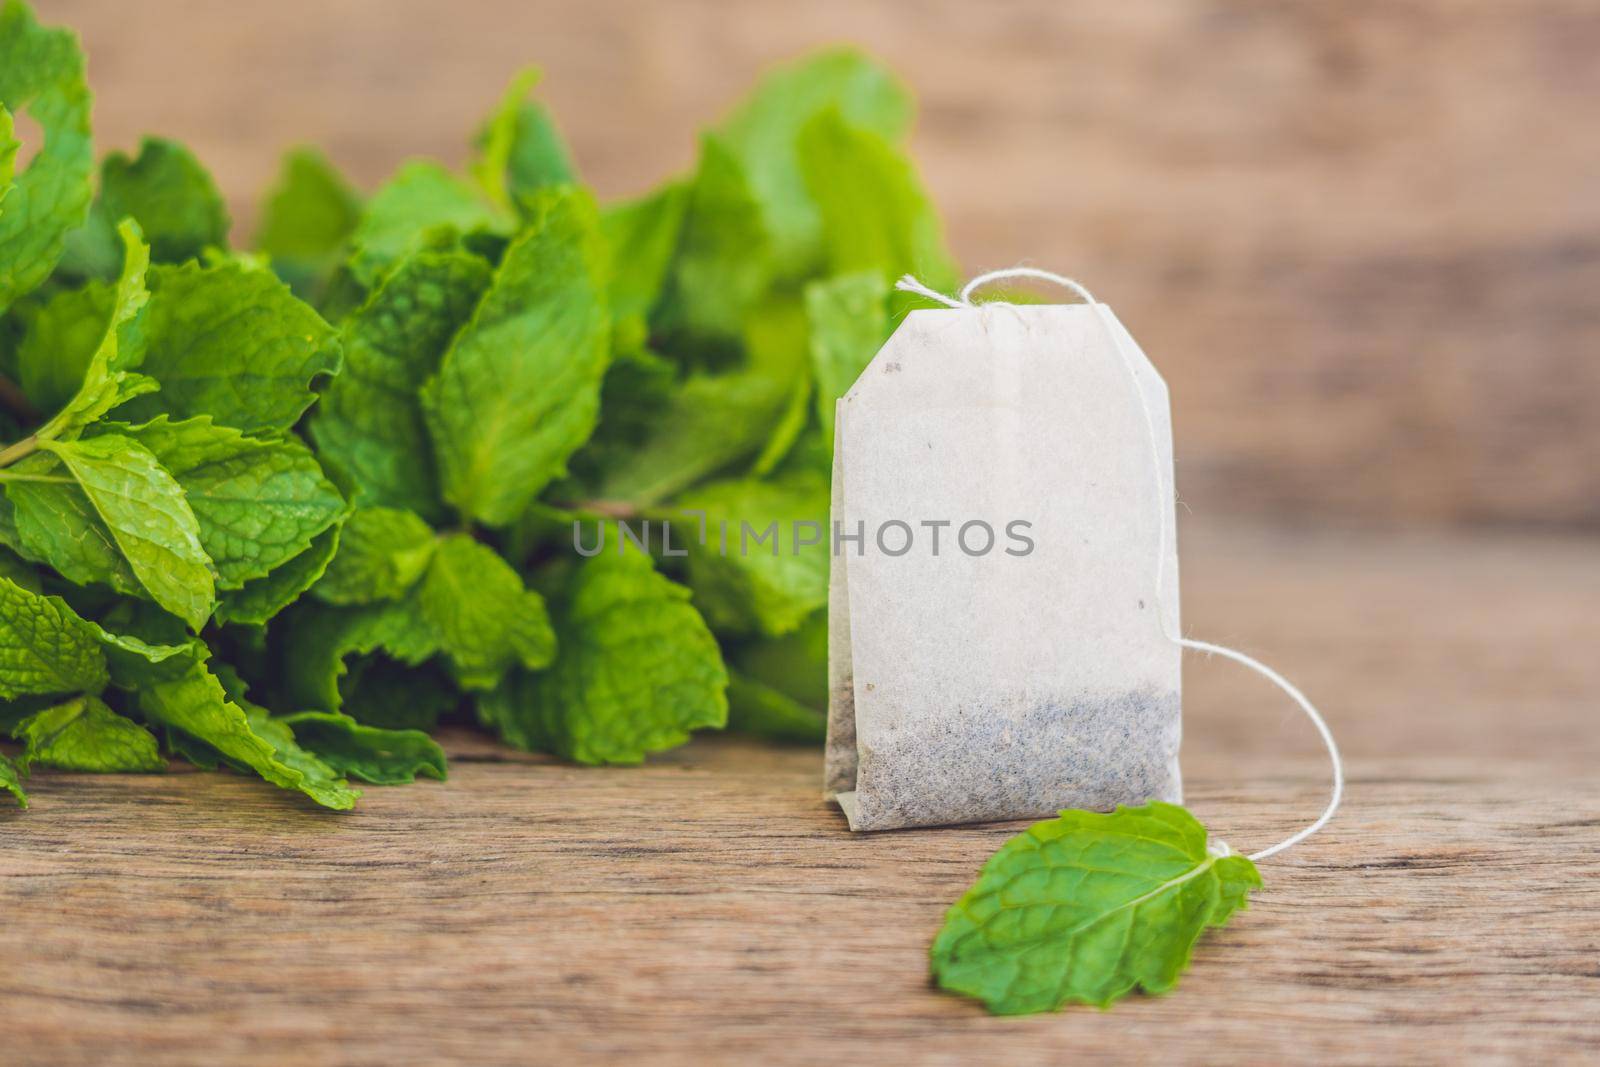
{"x": 276, "y": 509}
{"x": 1088, "y": 907}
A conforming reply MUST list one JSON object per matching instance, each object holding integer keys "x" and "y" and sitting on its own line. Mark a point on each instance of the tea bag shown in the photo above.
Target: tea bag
{"x": 1004, "y": 551}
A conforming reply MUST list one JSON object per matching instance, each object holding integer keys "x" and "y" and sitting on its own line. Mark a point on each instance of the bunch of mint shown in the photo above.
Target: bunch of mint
{"x": 285, "y": 509}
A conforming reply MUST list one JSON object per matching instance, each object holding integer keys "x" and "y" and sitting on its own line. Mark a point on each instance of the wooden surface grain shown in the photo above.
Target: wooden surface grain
{"x": 1362, "y": 239}
{"x": 709, "y": 907}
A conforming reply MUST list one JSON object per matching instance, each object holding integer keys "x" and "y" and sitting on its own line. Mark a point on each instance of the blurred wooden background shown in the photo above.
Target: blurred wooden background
{"x": 1361, "y": 239}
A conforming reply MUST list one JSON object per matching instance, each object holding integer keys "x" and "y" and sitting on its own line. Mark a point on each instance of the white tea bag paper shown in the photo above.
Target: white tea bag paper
{"x": 1001, "y": 478}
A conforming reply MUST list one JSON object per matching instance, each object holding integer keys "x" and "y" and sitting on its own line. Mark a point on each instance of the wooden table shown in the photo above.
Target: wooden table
{"x": 711, "y": 908}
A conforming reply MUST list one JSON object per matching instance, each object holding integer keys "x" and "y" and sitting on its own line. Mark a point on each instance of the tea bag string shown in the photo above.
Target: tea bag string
{"x": 963, "y": 300}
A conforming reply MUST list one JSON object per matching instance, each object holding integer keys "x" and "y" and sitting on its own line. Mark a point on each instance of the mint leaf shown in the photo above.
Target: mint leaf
{"x": 306, "y": 220}
{"x": 232, "y": 342}
{"x": 714, "y": 420}
{"x": 196, "y": 704}
{"x": 321, "y": 640}
{"x": 108, "y": 379}
{"x": 758, "y": 710}
{"x": 725, "y": 256}
{"x": 170, "y": 195}
{"x": 52, "y": 522}
{"x": 642, "y": 235}
{"x": 780, "y": 684}
{"x": 258, "y": 601}
{"x": 380, "y": 692}
{"x": 482, "y": 617}
{"x": 775, "y": 339}
{"x": 638, "y": 670}
{"x": 369, "y": 424}
{"x": 59, "y": 339}
{"x": 382, "y": 553}
{"x": 8, "y": 153}
{"x": 11, "y": 781}
{"x": 764, "y": 132}
{"x": 421, "y": 200}
{"x": 519, "y": 390}
{"x": 711, "y": 421}
{"x": 319, "y": 779}
{"x": 756, "y": 577}
{"x": 148, "y": 517}
{"x": 372, "y": 754}
{"x": 519, "y": 149}
{"x": 135, "y": 661}
{"x": 637, "y": 387}
{"x": 875, "y": 214}
{"x": 1087, "y": 907}
{"x": 310, "y": 212}
{"x": 41, "y": 71}
{"x": 469, "y": 606}
{"x": 45, "y": 647}
{"x": 259, "y": 501}
{"x": 848, "y": 318}
{"x": 84, "y": 734}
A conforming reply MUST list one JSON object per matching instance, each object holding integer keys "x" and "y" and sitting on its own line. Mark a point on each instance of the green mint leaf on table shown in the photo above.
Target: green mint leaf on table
{"x": 382, "y": 553}
{"x": 257, "y": 602}
{"x": 41, "y": 72}
{"x": 369, "y": 424}
{"x": 260, "y": 501}
{"x": 319, "y": 780}
{"x": 197, "y": 705}
{"x": 370, "y": 753}
{"x": 763, "y": 135}
{"x": 149, "y": 518}
{"x": 519, "y": 390}
{"x": 45, "y": 646}
{"x": 764, "y": 583}
{"x": 1087, "y": 907}
{"x": 169, "y": 194}
{"x": 422, "y": 199}
{"x": 234, "y": 343}
{"x": 11, "y": 781}
{"x": 638, "y": 670}
{"x": 83, "y": 734}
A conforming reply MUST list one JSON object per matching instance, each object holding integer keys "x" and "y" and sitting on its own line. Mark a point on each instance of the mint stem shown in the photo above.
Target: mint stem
{"x": 15, "y": 451}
